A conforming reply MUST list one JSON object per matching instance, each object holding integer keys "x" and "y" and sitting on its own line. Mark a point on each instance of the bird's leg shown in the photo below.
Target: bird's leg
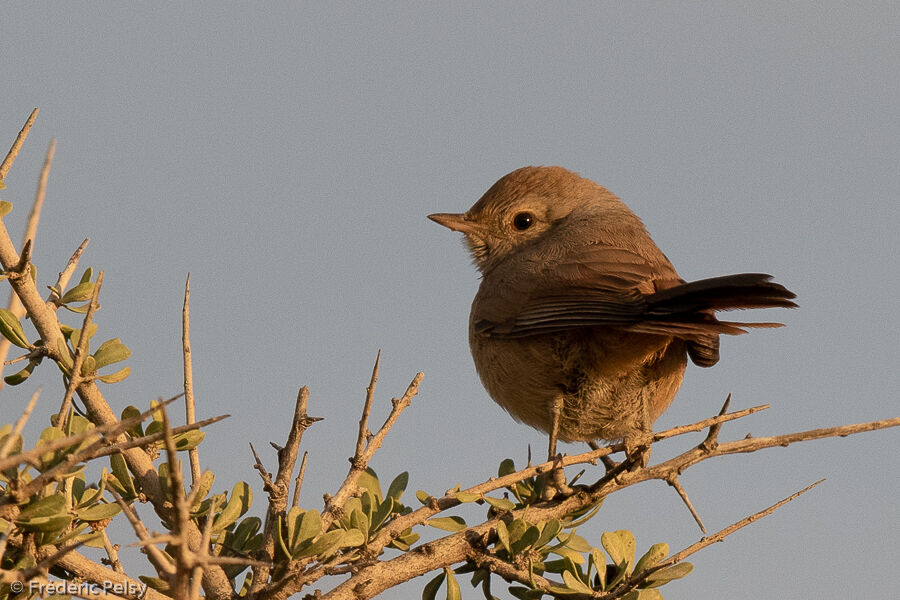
{"x": 637, "y": 446}
{"x": 557, "y": 479}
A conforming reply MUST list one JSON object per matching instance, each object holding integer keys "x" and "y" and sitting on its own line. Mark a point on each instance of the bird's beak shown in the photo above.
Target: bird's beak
{"x": 456, "y": 221}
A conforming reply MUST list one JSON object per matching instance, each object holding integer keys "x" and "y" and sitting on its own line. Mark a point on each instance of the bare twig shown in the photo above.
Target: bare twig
{"x": 298, "y": 483}
{"x": 374, "y": 579}
{"x": 184, "y": 555}
{"x": 114, "y": 429}
{"x": 76, "y": 377}
{"x": 363, "y": 435}
{"x": 279, "y": 488}
{"x": 673, "y": 481}
{"x": 359, "y": 463}
{"x": 215, "y": 581}
{"x": 112, "y": 551}
{"x": 702, "y": 543}
{"x": 63, "y": 280}
{"x": 193, "y": 453}
{"x": 161, "y": 562}
{"x": 14, "y": 305}
{"x": 17, "y": 145}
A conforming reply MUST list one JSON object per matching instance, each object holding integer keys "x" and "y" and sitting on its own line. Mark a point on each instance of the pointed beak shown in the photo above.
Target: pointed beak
{"x": 455, "y": 221}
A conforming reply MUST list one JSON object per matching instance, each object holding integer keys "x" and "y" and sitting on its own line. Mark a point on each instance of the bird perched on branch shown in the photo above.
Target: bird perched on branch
{"x": 581, "y": 326}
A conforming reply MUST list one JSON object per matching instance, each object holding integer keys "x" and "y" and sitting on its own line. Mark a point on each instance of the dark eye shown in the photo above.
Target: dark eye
{"x": 523, "y": 221}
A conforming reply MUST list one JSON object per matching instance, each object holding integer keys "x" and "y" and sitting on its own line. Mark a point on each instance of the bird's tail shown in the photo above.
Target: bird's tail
{"x": 688, "y": 310}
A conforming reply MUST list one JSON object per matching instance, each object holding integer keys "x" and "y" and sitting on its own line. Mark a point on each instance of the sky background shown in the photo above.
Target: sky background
{"x": 286, "y": 155}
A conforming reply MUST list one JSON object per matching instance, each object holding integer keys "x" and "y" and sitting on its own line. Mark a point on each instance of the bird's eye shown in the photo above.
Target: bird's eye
{"x": 523, "y": 221}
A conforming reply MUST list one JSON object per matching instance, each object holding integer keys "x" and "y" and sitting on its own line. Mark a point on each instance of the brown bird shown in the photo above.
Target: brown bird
{"x": 581, "y": 326}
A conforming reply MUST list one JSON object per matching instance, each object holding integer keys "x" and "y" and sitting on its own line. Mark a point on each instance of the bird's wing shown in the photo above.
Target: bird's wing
{"x": 614, "y": 287}
{"x": 598, "y": 285}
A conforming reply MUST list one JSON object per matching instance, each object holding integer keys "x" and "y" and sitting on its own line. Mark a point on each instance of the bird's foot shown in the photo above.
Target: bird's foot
{"x": 555, "y": 482}
{"x": 637, "y": 454}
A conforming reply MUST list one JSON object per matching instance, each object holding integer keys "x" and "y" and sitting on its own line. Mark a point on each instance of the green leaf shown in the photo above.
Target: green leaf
{"x": 65, "y": 356}
{"x": 578, "y": 543}
{"x": 88, "y": 366}
{"x": 429, "y": 592}
{"x": 381, "y": 514}
{"x": 668, "y": 574}
{"x": 310, "y": 527}
{"x": 244, "y": 532}
{"x": 75, "y": 334}
{"x": 132, "y": 412}
{"x": 575, "y": 557}
{"x": 87, "y": 275}
{"x": 331, "y": 541}
{"x": 46, "y": 515}
{"x": 468, "y": 496}
{"x": 549, "y": 531}
{"x": 575, "y": 584}
{"x": 111, "y": 351}
{"x": 453, "y": 523}
{"x": 652, "y": 557}
{"x": 369, "y": 480}
{"x": 117, "y": 376}
{"x": 238, "y": 504}
{"x": 643, "y": 595}
{"x": 500, "y": 503}
{"x": 620, "y": 546}
{"x": 98, "y": 512}
{"x": 423, "y": 497}
{"x": 359, "y": 522}
{"x": 503, "y": 536}
{"x": 188, "y": 439}
{"x": 21, "y": 376}
{"x": 80, "y": 293}
{"x": 398, "y": 486}
{"x": 12, "y": 329}
{"x": 51, "y": 505}
{"x": 507, "y": 466}
{"x": 599, "y": 563}
{"x": 206, "y": 483}
{"x": 453, "y": 592}
{"x": 120, "y": 471}
{"x": 528, "y": 538}
{"x": 80, "y": 309}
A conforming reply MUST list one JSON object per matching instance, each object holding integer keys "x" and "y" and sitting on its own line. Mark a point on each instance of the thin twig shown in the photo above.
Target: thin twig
{"x": 112, "y": 551}
{"x": 181, "y": 519}
{"x": 372, "y": 580}
{"x": 14, "y": 304}
{"x": 59, "y": 471}
{"x": 14, "y": 150}
{"x": 359, "y": 464}
{"x": 673, "y": 481}
{"x": 295, "y": 501}
{"x": 704, "y": 542}
{"x": 51, "y": 560}
{"x": 161, "y": 562}
{"x": 363, "y": 435}
{"x": 193, "y": 453}
{"x": 31, "y": 456}
{"x": 80, "y": 352}
{"x": 279, "y": 488}
{"x": 63, "y": 280}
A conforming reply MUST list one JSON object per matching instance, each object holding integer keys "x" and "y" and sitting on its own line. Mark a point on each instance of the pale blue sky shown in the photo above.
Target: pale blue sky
{"x": 286, "y": 155}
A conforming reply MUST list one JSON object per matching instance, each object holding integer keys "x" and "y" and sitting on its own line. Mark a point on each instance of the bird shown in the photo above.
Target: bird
{"x": 581, "y": 327}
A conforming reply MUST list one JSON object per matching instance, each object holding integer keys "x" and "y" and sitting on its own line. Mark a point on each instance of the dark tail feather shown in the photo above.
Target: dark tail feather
{"x": 747, "y": 290}
{"x": 688, "y": 310}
